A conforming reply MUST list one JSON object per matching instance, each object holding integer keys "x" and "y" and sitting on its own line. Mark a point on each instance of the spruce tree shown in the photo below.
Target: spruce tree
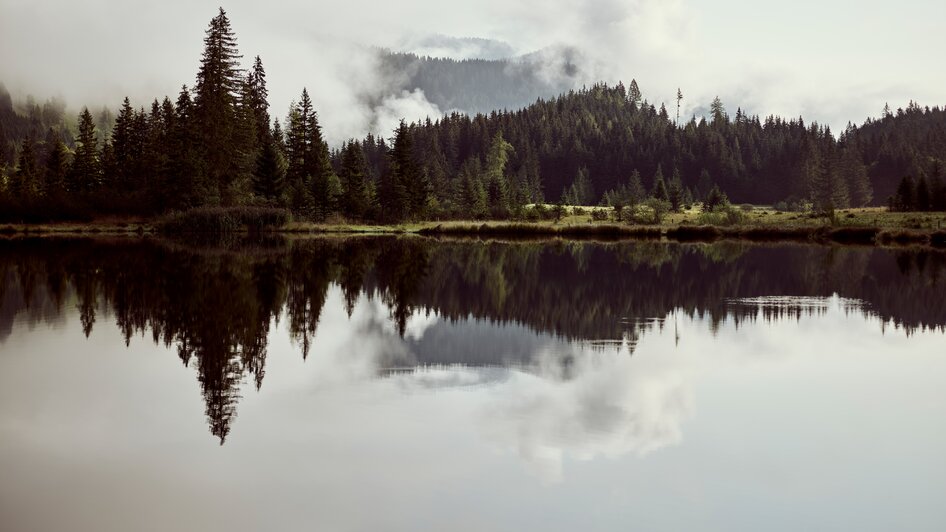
{"x": 257, "y": 96}
{"x": 497, "y": 184}
{"x": 905, "y": 198}
{"x": 406, "y": 174}
{"x": 715, "y": 198}
{"x": 122, "y": 148}
{"x": 25, "y": 181}
{"x": 86, "y": 170}
{"x": 660, "y": 187}
{"x": 216, "y": 96}
{"x": 718, "y": 112}
{"x": 675, "y": 191}
{"x": 269, "y": 176}
{"x": 186, "y": 184}
{"x": 634, "y": 95}
{"x": 57, "y": 167}
{"x": 354, "y": 179}
{"x": 636, "y": 190}
{"x": 923, "y": 197}
{"x": 324, "y": 186}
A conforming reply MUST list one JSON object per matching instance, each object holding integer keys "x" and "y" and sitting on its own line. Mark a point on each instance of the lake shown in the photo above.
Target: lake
{"x": 404, "y": 383}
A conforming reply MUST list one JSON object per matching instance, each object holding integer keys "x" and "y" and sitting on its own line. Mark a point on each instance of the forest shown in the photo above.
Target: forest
{"x": 216, "y": 144}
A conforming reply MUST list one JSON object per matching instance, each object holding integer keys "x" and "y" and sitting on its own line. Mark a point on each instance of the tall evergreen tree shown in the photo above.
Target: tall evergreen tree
{"x": 407, "y": 175}
{"x": 57, "y": 167}
{"x": 269, "y": 176}
{"x": 660, "y": 187}
{"x": 187, "y": 184}
{"x": 905, "y": 198}
{"x": 675, "y": 191}
{"x": 354, "y": 179}
{"x": 216, "y": 96}
{"x": 718, "y": 112}
{"x": 634, "y": 94}
{"x": 86, "y": 170}
{"x": 258, "y": 101}
{"x": 25, "y": 181}
{"x": 636, "y": 190}
{"x": 923, "y": 198}
{"x": 497, "y": 183}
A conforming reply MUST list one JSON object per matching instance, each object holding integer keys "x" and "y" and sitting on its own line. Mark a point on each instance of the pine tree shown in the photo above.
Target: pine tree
{"x": 718, "y": 112}
{"x": 660, "y": 187}
{"x": 854, "y": 173}
{"x": 714, "y": 198}
{"x": 257, "y": 96}
{"x": 354, "y": 179}
{"x": 25, "y": 181}
{"x": 497, "y": 184}
{"x": 937, "y": 188}
{"x": 86, "y": 170}
{"x": 406, "y": 173}
{"x": 186, "y": 185}
{"x": 923, "y": 199}
{"x": 122, "y": 148}
{"x": 472, "y": 193}
{"x": 313, "y": 185}
{"x": 325, "y": 186}
{"x": 217, "y": 94}
{"x": 704, "y": 184}
{"x": 905, "y": 198}
{"x": 634, "y": 94}
{"x": 675, "y": 191}
{"x": 636, "y": 190}
{"x": 57, "y": 167}
{"x": 269, "y": 176}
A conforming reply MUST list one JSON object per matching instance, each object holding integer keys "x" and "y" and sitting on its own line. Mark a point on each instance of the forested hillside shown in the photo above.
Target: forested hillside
{"x": 616, "y": 142}
{"x": 216, "y": 144}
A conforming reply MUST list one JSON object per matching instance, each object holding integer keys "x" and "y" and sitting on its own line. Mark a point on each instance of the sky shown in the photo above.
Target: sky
{"x": 832, "y": 61}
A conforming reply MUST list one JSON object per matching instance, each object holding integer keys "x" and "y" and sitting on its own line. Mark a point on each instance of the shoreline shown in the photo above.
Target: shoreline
{"x": 858, "y": 235}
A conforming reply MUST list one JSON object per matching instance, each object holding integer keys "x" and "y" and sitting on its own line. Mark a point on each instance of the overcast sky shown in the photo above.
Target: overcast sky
{"x": 828, "y": 60}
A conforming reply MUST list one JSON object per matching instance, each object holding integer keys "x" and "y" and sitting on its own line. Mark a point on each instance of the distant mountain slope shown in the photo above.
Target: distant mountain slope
{"x": 481, "y": 85}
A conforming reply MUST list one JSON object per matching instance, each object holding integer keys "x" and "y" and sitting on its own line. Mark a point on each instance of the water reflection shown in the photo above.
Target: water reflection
{"x": 565, "y": 317}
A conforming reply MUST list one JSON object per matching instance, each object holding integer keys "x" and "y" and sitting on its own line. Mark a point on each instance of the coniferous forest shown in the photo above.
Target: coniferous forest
{"x": 218, "y": 142}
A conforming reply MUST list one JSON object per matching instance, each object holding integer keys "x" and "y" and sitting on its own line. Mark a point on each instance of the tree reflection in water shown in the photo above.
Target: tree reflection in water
{"x": 216, "y": 304}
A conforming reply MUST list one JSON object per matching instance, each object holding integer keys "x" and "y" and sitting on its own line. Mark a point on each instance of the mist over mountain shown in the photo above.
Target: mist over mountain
{"x": 481, "y": 85}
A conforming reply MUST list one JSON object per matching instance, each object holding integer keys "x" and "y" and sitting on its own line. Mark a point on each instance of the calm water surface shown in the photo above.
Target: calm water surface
{"x": 410, "y": 384}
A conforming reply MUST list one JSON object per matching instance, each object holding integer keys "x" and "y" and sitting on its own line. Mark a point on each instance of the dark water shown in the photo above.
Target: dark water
{"x": 411, "y": 384}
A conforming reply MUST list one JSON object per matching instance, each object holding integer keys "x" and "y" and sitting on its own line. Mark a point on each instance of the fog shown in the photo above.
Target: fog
{"x": 833, "y": 61}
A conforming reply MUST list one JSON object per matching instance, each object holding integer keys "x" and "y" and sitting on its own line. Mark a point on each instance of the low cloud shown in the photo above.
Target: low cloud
{"x": 826, "y": 65}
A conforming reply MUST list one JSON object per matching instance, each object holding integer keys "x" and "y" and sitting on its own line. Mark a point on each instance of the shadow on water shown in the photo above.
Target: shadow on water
{"x": 216, "y": 304}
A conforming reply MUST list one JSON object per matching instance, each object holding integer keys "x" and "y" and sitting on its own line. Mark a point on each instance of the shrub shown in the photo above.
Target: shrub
{"x": 224, "y": 220}
{"x": 599, "y": 215}
{"x": 722, "y": 216}
{"x": 658, "y": 210}
{"x": 531, "y": 214}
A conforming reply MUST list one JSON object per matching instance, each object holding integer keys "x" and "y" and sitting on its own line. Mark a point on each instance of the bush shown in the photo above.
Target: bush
{"x": 224, "y": 220}
{"x": 531, "y": 214}
{"x": 658, "y": 210}
{"x": 722, "y": 216}
{"x": 578, "y": 211}
{"x": 599, "y": 215}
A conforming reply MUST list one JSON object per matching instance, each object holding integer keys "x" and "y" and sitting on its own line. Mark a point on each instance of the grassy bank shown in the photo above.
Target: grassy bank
{"x": 868, "y": 226}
